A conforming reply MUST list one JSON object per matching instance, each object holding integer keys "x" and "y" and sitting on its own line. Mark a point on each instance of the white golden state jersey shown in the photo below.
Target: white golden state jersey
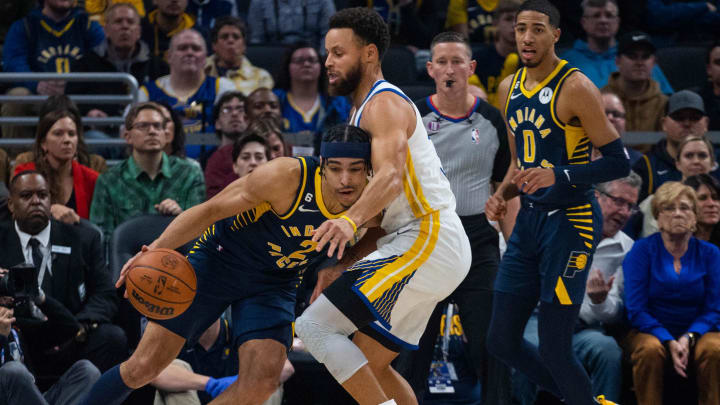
{"x": 425, "y": 187}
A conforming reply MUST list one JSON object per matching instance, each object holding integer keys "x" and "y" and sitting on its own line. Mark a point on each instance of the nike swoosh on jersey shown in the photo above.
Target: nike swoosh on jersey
{"x": 553, "y": 211}
{"x": 661, "y": 172}
{"x": 514, "y": 96}
{"x": 301, "y": 208}
{"x": 567, "y": 174}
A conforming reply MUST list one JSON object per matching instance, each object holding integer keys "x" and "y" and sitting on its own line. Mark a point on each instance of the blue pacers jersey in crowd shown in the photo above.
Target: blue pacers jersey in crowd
{"x": 50, "y": 46}
{"x": 542, "y": 140}
{"x": 196, "y": 111}
{"x": 274, "y": 244}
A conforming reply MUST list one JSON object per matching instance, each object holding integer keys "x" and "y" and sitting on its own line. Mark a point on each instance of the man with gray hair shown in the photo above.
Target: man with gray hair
{"x": 596, "y": 56}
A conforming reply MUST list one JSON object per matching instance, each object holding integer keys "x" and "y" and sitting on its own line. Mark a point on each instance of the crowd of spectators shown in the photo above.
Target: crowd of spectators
{"x": 252, "y": 73}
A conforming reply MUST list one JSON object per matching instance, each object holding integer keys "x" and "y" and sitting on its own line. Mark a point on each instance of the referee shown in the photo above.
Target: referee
{"x": 471, "y": 139}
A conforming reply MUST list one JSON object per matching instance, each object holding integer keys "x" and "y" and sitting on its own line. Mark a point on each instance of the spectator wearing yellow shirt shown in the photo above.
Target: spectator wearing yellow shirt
{"x": 98, "y": 8}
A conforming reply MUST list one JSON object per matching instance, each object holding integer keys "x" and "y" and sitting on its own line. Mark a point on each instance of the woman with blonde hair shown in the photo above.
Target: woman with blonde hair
{"x": 672, "y": 297}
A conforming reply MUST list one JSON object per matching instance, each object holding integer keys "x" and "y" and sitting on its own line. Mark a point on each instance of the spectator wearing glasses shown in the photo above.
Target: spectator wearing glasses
{"x": 685, "y": 117}
{"x": 228, "y": 38}
{"x": 633, "y": 82}
{"x": 694, "y": 157}
{"x": 672, "y": 296}
{"x": 596, "y": 56}
{"x": 306, "y": 106}
{"x": 230, "y": 124}
{"x": 149, "y": 181}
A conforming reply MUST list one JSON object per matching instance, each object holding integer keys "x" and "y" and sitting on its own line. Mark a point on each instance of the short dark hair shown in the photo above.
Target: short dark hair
{"x": 229, "y": 20}
{"x": 703, "y": 179}
{"x": 347, "y": 133}
{"x": 250, "y": 137}
{"x": 544, "y": 7}
{"x": 16, "y": 178}
{"x": 366, "y": 24}
{"x": 224, "y": 98}
{"x": 450, "y": 37}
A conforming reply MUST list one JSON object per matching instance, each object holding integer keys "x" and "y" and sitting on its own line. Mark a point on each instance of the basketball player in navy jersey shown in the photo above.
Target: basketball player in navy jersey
{"x": 555, "y": 116}
{"x": 256, "y": 244}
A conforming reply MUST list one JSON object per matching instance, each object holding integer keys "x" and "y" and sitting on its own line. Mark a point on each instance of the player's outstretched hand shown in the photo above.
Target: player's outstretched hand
{"x": 495, "y": 208}
{"x": 337, "y": 232}
{"x": 531, "y": 180}
{"x": 325, "y": 277}
{"x": 123, "y": 273}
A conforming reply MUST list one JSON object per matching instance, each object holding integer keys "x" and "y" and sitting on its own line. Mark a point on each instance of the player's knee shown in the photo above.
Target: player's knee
{"x": 139, "y": 370}
{"x": 310, "y": 332}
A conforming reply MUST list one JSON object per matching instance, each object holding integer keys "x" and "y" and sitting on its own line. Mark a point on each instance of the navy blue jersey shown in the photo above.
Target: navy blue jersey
{"x": 542, "y": 140}
{"x": 274, "y": 244}
{"x": 56, "y": 47}
{"x": 196, "y": 110}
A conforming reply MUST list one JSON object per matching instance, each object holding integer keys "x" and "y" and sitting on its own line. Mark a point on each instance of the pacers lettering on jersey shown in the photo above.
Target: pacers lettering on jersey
{"x": 528, "y": 114}
{"x": 62, "y": 55}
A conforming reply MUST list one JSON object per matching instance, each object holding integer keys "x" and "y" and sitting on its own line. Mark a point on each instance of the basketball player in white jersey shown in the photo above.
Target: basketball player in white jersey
{"x": 387, "y": 296}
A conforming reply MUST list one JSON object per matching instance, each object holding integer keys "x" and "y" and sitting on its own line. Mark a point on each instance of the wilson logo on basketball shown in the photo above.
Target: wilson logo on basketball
{"x": 169, "y": 261}
{"x": 152, "y": 308}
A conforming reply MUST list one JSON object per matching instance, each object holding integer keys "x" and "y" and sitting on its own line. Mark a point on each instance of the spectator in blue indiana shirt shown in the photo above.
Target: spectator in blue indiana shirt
{"x": 596, "y": 56}
{"x": 672, "y": 296}
{"x": 52, "y": 38}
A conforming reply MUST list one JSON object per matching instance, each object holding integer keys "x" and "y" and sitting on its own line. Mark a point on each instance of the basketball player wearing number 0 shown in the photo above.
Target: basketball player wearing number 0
{"x": 256, "y": 242}
{"x": 554, "y": 116}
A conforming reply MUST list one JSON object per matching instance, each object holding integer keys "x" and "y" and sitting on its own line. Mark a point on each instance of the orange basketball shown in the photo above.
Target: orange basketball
{"x": 161, "y": 284}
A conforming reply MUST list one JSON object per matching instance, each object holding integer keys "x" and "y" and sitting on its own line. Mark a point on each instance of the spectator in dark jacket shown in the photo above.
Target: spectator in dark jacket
{"x": 71, "y": 269}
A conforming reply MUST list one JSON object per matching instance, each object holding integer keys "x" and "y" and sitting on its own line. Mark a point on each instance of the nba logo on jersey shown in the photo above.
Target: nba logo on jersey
{"x": 433, "y": 125}
{"x": 475, "y": 136}
{"x": 545, "y": 95}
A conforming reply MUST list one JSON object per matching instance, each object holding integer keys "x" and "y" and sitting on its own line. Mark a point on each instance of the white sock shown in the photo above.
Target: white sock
{"x": 390, "y": 402}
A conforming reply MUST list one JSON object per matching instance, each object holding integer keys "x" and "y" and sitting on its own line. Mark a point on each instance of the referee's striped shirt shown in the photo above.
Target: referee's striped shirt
{"x": 473, "y": 150}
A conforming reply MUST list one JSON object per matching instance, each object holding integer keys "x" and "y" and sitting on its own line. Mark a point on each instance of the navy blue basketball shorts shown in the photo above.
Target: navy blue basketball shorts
{"x": 550, "y": 252}
{"x": 263, "y": 307}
